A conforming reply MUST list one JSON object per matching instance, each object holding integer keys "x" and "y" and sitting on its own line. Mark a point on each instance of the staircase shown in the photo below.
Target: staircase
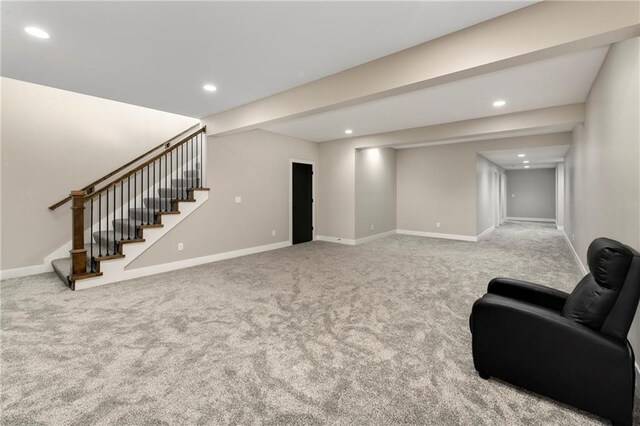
{"x": 140, "y": 203}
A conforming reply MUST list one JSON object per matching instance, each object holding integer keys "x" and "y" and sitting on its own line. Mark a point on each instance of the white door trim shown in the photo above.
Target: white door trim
{"x": 313, "y": 196}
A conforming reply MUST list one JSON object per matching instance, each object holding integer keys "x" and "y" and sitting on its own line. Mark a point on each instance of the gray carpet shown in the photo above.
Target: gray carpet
{"x": 313, "y": 334}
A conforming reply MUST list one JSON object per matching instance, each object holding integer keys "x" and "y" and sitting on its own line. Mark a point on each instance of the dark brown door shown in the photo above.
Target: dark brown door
{"x": 302, "y": 203}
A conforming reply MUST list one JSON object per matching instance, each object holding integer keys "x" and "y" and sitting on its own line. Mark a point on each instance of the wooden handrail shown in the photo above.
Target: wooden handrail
{"x": 89, "y": 188}
{"x": 145, "y": 164}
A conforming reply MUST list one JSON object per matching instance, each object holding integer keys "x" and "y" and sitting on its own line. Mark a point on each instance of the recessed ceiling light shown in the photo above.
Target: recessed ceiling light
{"x": 499, "y": 103}
{"x": 37, "y": 32}
{"x": 210, "y": 88}
{"x": 526, "y": 167}
{"x": 526, "y": 161}
{"x": 522, "y": 155}
{"x": 348, "y": 131}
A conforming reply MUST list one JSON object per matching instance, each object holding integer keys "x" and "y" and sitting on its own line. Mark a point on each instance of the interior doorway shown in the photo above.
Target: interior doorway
{"x": 301, "y": 202}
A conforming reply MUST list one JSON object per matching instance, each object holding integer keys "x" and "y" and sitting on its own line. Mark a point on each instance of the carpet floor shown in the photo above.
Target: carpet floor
{"x": 318, "y": 333}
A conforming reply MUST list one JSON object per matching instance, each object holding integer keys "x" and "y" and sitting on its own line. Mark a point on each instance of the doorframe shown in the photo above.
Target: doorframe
{"x": 313, "y": 197}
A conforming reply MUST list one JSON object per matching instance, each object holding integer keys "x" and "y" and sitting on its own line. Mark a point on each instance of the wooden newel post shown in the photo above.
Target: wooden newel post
{"x": 78, "y": 252}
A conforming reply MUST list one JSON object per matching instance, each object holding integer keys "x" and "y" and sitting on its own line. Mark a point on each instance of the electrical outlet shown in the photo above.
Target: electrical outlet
{"x": 437, "y": 224}
{"x": 238, "y": 199}
{"x": 180, "y": 246}
{"x": 372, "y": 226}
{"x": 273, "y": 233}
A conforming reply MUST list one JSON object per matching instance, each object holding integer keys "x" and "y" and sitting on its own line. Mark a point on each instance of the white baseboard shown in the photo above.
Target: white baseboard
{"x": 338, "y": 240}
{"x": 27, "y": 270}
{"x": 438, "y": 235}
{"x": 375, "y": 237}
{"x": 575, "y": 254}
{"x": 485, "y": 232}
{"x": 530, "y": 219}
{"x": 181, "y": 264}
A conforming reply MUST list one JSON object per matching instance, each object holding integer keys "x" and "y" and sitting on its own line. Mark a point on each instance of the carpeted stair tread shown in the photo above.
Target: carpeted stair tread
{"x": 159, "y": 203}
{"x": 127, "y": 226}
{"x": 174, "y": 193}
{"x": 143, "y": 214}
{"x": 107, "y": 239}
{"x": 185, "y": 183}
{"x": 189, "y": 174}
{"x": 62, "y": 266}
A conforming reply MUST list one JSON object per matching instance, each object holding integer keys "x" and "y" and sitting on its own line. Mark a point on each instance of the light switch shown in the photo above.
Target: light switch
{"x": 238, "y": 199}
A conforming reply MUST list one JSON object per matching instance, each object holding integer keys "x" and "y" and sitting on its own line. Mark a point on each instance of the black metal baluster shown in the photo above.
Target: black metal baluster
{"x": 188, "y": 181}
{"x": 122, "y": 209}
{"x": 99, "y": 225}
{"x": 182, "y": 194}
{"x": 166, "y": 157}
{"x": 200, "y": 161}
{"x": 174, "y": 168}
{"x": 159, "y": 184}
{"x": 115, "y": 188}
{"x": 91, "y": 242}
{"x": 177, "y": 187}
{"x": 148, "y": 220}
{"x": 107, "y": 223}
{"x": 128, "y": 205}
{"x": 185, "y": 169}
{"x": 193, "y": 162}
{"x": 135, "y": 199}
{"x": 152, "y": 186}
{"x": 186, "y": 166}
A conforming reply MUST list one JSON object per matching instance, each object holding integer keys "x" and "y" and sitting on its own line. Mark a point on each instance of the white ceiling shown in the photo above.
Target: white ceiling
{"x": 558, "y": 81}
{"x": 539, "y": 158}
{"x": 159, "y": 54}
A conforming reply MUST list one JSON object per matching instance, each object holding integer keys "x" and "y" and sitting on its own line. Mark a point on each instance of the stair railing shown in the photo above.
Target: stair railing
{"x": 91, "y": 187}
{"x": 145, "y": 192}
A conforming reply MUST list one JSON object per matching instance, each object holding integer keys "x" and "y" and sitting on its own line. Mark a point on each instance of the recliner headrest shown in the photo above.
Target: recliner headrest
{"x": 609, "y": 262}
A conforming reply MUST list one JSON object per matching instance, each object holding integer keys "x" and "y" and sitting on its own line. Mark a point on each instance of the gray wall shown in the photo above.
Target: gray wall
{"x": 602, "y": 177}
{"x": 254, "y": 165}
{"x": 375, "y": 191}
{"x": 54, "y": 141}
{"x": 531, "y": 193}
{"x": 336, "y": 189}
{"x": 439, "y": 183}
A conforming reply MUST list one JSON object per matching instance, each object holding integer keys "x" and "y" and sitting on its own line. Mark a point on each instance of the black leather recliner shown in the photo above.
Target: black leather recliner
{"x": 570, "y": 347}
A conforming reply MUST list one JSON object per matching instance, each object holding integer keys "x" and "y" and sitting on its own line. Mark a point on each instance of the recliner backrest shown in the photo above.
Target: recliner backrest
{"x": 606, "y": 298}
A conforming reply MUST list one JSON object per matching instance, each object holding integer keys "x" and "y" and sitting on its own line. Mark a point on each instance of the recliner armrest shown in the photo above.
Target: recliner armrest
{"x": 524, "y": 291}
